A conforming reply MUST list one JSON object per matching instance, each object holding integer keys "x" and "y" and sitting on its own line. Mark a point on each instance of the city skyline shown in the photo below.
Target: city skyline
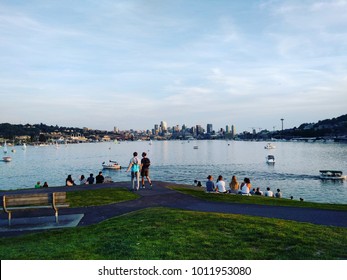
{"x": 106, "y": 63}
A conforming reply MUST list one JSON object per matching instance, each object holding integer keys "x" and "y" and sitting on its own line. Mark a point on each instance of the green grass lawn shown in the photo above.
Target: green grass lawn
{"x": 200, "y": 193}
{"x": 162, "y": 233}
{"x": 99, "y": 197}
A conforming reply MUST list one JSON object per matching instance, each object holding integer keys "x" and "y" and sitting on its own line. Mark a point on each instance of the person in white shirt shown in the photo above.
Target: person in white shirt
{"x": 268, "y": 192}
{"x": 220, "y": 186}
{"x": 246, "y": 187}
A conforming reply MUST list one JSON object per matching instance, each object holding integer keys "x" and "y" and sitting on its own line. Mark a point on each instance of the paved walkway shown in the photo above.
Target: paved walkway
{"x": 161, "y": 196}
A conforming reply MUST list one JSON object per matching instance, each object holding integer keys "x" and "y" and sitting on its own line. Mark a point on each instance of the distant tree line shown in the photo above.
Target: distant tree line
{"x": 325, "y": 128}
{"x": 9, "y": 131}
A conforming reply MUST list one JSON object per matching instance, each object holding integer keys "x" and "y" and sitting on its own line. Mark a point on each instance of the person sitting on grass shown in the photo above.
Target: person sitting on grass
{"x": 234, "y": 185}
{"x": 99, "y": 179}
{"x": 69, "y": 182}
{"x": 258, "y": 192}
{"x": 220, "y": 186}
{"x": 210, "y": 186}
{"x": 90, "y": 179}
{"x": 278, "y": 194}
{"x": 245, "y": 187}
{"x": 268, "y": 192}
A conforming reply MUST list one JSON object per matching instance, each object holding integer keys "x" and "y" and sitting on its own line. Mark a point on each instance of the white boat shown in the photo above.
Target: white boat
{"x": 24, "y": 146}
{"x": 332, "y": 175}
{"x": 270, "y": 159}
{"x": 7, "y": 159}
{"x": 111, "y": 165}
{"x": 269, "y": 146}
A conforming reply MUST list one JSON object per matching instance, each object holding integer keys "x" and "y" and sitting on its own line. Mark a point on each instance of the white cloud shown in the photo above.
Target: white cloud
{"x": 134, "y": 63}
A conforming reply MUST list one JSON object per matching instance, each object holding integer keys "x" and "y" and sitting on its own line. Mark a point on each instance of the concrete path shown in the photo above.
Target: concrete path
{"x": 161, "y": 196}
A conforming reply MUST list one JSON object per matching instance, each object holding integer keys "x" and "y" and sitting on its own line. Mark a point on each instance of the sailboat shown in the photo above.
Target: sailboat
{"x": 24, "y": 147}
{"x": 5, "y": 148}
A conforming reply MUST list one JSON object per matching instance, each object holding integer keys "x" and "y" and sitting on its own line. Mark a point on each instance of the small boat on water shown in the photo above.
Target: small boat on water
{"x": 332, "y": 175}
{"x": 270, "y": 159}
{"x": 269, "y": 146}
{"x": 196, "y": 147}
{"x": 7, "y": 159}
{"x": 111, "y": 165}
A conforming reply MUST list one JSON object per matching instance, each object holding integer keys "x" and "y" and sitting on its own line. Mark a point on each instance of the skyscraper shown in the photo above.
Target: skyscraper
{"x": 163, "y": 126}
{"x": 233, "y": 131}
{"x": 209, "y": 128}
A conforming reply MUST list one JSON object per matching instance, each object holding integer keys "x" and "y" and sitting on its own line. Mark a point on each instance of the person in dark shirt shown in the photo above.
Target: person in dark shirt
{"x": 69, "y": 182}
{"x": 99, "y": 178}
{"x": 210, "y": 186}
{"x": 145, "y": 163}
{"x": 90, "y": 179}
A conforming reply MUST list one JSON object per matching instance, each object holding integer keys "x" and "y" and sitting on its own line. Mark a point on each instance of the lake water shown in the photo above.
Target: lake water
{"x": 296, "y": 171}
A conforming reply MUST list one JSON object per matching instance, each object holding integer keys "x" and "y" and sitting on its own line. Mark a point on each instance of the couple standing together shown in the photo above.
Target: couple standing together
{"x": 136, "y": 167}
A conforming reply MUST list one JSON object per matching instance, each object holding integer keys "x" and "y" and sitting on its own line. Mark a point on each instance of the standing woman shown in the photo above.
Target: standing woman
{"x": 134, "y": 166}
{"x": 234, "y": 185}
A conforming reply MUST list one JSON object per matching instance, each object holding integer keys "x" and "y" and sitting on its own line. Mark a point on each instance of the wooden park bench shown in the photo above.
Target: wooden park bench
{"x": 16, "y": 202}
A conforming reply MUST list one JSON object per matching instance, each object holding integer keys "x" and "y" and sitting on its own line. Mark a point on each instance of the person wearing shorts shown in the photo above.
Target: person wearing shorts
{"x": 145, "y": 163}
{"x": 134, "y": 166}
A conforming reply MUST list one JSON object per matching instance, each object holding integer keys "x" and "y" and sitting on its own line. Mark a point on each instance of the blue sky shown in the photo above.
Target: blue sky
{"x": 133, "y": 63}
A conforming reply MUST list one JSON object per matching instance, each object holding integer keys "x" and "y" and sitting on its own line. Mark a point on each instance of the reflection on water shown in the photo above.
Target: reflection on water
{"x": 296, "y": 171}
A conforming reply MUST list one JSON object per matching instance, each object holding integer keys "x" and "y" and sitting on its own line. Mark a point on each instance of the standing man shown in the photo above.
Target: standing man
{"x": 145, "y": 163}
{"x": 134, "y": 166}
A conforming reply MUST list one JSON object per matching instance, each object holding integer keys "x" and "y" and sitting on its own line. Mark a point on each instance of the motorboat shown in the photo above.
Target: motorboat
{"x": 269, "y": 146}
{"x": 111, "y": 165}
{"x": 270, "y": 159}
{"x": 196, "y": 147}
{"x": 7, "y": 159}
{"x": 332, "y": 175}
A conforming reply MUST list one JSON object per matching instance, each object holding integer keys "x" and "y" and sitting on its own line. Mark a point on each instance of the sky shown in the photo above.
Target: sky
{"x": 131, "y": 64}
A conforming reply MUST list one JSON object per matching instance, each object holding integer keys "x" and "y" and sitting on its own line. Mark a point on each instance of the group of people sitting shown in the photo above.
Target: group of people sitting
{"x": 38, "y": 185}
{"x": 245, "y": 188}
{"x": 69, "y": 182}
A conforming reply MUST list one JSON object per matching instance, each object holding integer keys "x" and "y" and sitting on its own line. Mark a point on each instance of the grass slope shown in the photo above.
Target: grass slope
{"x": 161, "y": 233}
